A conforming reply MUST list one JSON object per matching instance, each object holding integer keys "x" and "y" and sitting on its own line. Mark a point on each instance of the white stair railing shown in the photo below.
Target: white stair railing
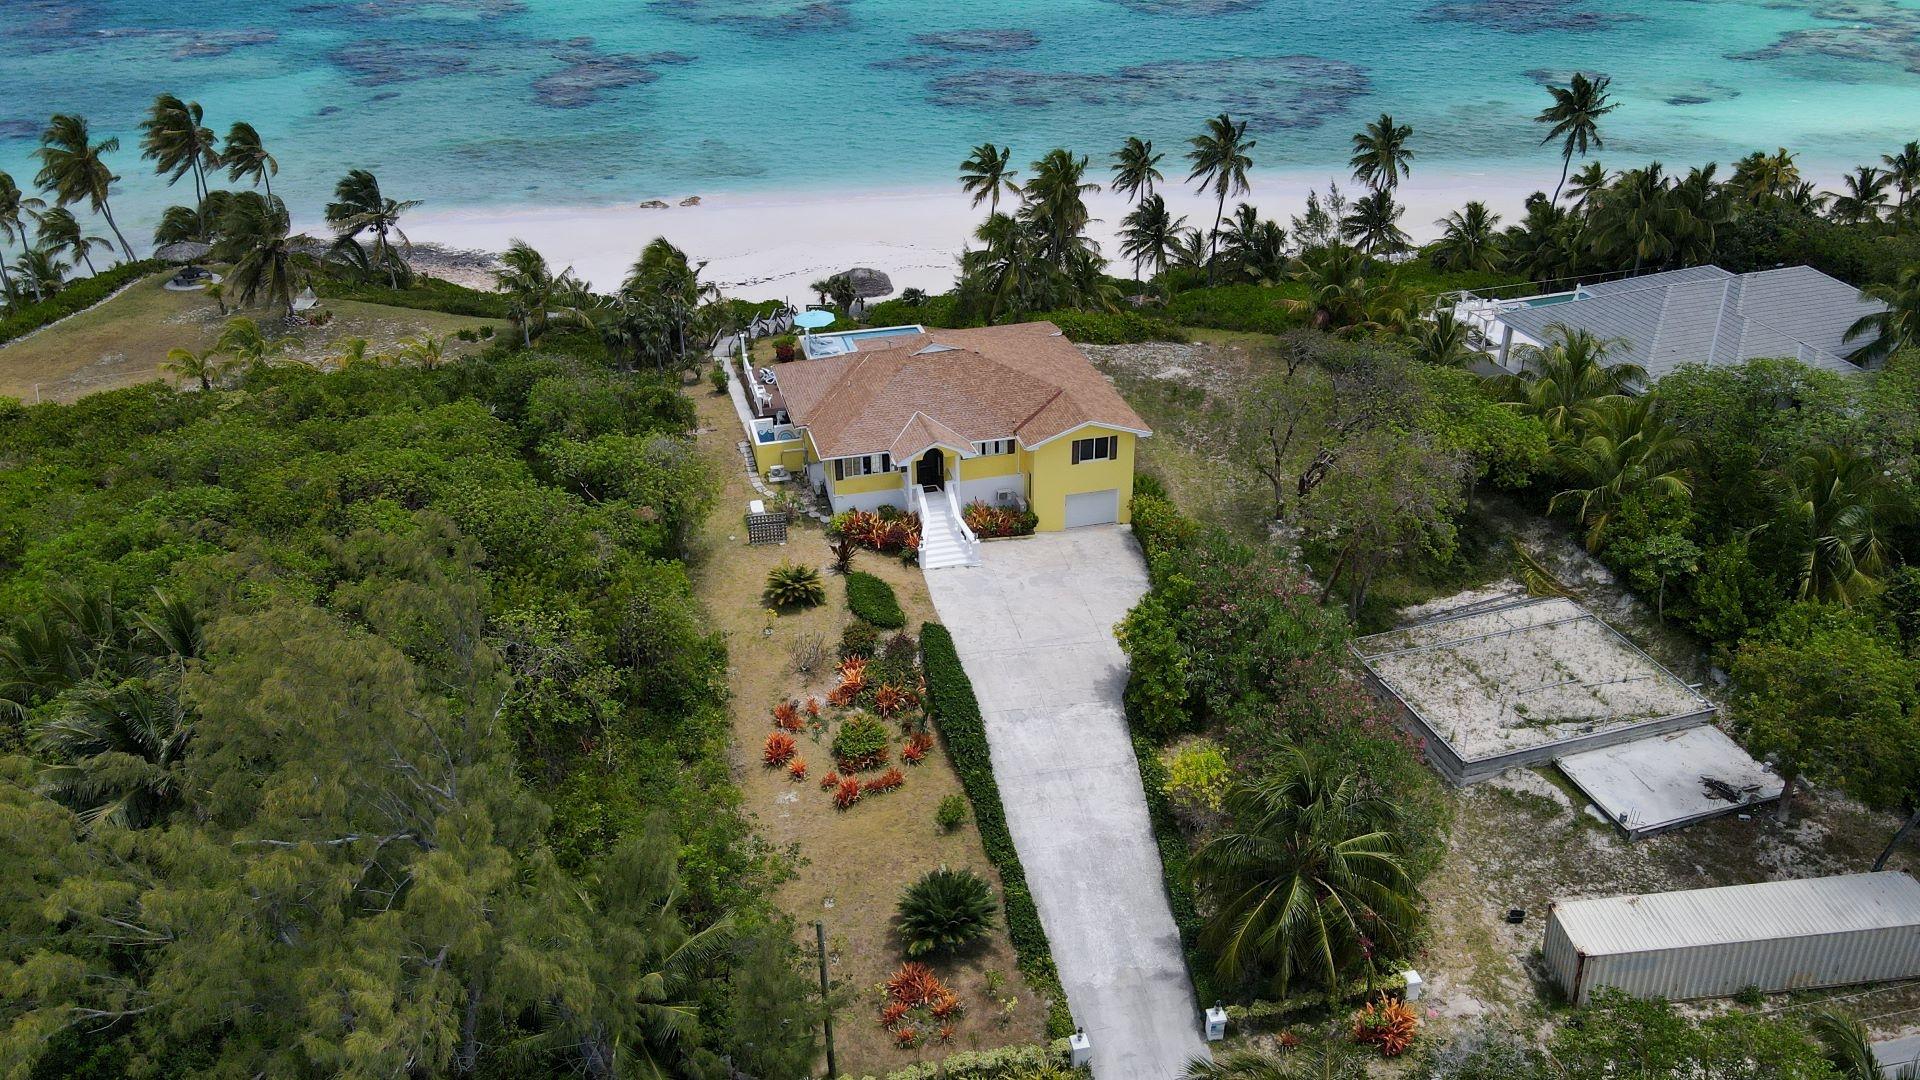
{"x": 968, "y": 542}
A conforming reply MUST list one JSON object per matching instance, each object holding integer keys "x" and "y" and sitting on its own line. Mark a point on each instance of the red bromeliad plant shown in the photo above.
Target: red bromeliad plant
{"x": 886, "y": 781}
{"x": 893, "y": 1012}
{"x": 786, "y": 716}
{"x": 1387, "y": 1024}
{"x": 843, "y": 695}
{"x": 906, "y": 1038}
{"x": 947, "y": 1032}
{"x": 946, "y": 1005}
{"x": 890, "y": 699}
{"x": 853, "y": 672}
{"x": 830, "y": 781}
{"x": 914, "y": 983}
{"x": 813, "y": 708}
{"x": 797, "y": 768}
{"x": 912, "y": 754}
{"x": 848, "y": 793}
{"x": 779, "y": 750}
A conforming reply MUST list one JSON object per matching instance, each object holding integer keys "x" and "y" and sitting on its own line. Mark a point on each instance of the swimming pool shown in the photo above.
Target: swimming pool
{"x": 816, "y": 346}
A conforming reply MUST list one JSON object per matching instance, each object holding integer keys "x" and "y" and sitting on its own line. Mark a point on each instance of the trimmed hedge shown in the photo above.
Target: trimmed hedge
{"x": 1108, "y": 328}
{"x": 1005, "y": 1063}
{"x": 75, "y": 298}
{"x": 956, "y": 714}
{"x": 1174, "y": 856}
{"x": 425, "y": 294}
{"x": 872, "y": 600}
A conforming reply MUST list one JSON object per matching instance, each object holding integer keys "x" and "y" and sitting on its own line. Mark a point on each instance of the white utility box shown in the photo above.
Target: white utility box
{"x": 756, "y": 506}
{"x": 1415, "y": 985}
{"x": 1079, "y": 1049}
{"x": 1216, "y": 1024}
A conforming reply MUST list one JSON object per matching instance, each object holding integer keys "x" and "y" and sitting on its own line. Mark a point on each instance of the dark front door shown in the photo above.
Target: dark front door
{"x": 931, "y": 470}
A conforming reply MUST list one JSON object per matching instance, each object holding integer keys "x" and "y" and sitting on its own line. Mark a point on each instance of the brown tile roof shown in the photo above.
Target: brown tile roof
{"x": 955, "y": 387}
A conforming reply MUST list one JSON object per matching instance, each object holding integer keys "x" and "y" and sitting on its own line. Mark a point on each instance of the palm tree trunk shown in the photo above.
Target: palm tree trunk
{"x": 6, "y": 281}
{"x": 1213, "y": 238}
{"x": 107, "y": 212}
{"x": 267, "y": 180}
{"x": 1566, "y": 163}
{"x": 88, "y": 259}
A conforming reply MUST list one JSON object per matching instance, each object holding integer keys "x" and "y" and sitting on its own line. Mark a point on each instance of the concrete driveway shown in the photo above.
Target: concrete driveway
{"x": 1034, "y": 625}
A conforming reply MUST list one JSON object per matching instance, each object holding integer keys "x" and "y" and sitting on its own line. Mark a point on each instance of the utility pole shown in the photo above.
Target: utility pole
{"x": 826, "y": 1010}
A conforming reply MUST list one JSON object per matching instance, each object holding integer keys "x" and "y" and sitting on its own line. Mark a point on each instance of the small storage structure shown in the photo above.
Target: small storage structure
{"x": 1776, "y": 935}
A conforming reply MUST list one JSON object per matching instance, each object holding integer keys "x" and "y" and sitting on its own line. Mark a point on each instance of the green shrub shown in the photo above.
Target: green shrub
{"x": 1257, "y": 308}
{"x": 1174, "y": 856}
{"x": 1108, "y": 328}
{"x": 871, "y": 599}
{"x": 80, "y": 295}
{"x": 1006, "y": 1063}
{"x": 795, "y": 585}
{"x": 717, "y": 378}
{"x": 957, "y": 714}
{"x": 859, "y": 639}
{"x": 1198, "y": 775}
{"x": 1149, "y": 485}
{"x": 951, "y": 813}
{"x": 861, "y": 743}
{"x": 422, "y": 294}
{"x": 1159, "y": 526}
{"x": 945, "y": 912}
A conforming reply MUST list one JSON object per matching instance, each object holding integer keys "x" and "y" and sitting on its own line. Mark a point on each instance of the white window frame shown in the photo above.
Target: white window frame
{"x": 993, "y": 447}
{"x": 847, "y": 468}
{"x": 1096, "y": 448}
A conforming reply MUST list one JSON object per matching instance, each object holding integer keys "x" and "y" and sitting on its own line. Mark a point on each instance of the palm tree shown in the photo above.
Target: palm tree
{"x": 1148, "y": 234}
{"x": 1843, "y": 508}
{"x": 1055, "y": 203}
{"x": 246, "y": 156}
{"x": 41, "y": 272}
{"x": 533, "y": 290}
{"x": 1329, "y": 1061}
{"x": 355, "y": 352}
{"x": 1865, "y": 197}
{"x": 267, "y": 264}
{"x": 1136, "y": 169}
{"x": 1374, "y": 225}
{"x": 425, "y": 351}
{"x": 1904, "y": 169}
{"x": 1624, "y": 448}
{"x": 1700, "y": 207}
{"x": 1557, "y": 382}
{"x": 202, "y": 367}
{"x": 1381, "y": 157}
{"x": 1441, "y": 340}
{"x": 73, "y": 167}
{"x": 243, "y": 340}
{"x": 1849, "y": 1048}
{"x": 1220, "y": 161}
{"x": 1545, "y": 244}
{"x": 359, "y": 207}
{"x": 985, "y": 175}
{"x": 16, "y": 207}
{"x": 1898, "y": 327}
{"x": 178, "y": 142}
{"x": 116, "y": 755}
{"x": 663, "y": 272}
{"x": 1255, "y": 248}
{"x": 1467, "y": 240}
{"x": 1637, "y": 216}
{"x": 1341, "y": 293}
{"x": 1760, "y": 176}
{"x": 1306, "y": 880}
{"x": 1007, "y": 273}
{"x": 60, "y": 232}
{"x": 1585, "y": 187}
{"x": 1575, "y": 118}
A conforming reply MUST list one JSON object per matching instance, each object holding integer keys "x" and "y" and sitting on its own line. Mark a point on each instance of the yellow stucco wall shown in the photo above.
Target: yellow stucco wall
{"x": 1055, "y": 476}
{"x": 980, "y": 468}
{"x": 791, "y": 453}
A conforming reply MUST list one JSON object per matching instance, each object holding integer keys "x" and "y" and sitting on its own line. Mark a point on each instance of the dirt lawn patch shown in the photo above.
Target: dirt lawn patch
{"x": 124, "y": 340}
{"x": 849, "y": 867}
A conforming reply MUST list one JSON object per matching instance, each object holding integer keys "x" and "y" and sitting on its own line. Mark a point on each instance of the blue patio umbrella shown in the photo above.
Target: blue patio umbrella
{"x": 813, "y": 320}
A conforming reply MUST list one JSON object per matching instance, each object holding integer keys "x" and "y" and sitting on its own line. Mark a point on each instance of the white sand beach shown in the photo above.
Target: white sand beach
{"x": 770, "y": 246}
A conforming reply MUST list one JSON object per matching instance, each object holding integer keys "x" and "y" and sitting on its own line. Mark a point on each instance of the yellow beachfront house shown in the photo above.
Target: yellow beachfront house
{"x": 1012, "y": 416}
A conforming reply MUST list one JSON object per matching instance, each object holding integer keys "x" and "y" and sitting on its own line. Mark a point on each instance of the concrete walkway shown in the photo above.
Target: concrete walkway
{"x": 1034, "y": 625}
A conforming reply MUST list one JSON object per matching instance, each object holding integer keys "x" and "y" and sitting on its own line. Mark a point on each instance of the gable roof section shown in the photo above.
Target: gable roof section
{"x": 1704, "y": 314}
{"x": 952, "y": 388}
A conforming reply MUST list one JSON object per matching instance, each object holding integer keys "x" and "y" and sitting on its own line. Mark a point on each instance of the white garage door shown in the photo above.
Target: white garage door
{"x": 1093, "y": 508}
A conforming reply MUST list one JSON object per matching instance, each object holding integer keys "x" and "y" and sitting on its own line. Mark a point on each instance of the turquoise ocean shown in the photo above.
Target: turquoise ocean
{"x": 485, "y": 103}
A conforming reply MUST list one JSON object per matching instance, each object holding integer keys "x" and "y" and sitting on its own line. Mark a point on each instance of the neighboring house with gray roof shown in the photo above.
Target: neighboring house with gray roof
{"x": 1700, "y": 315}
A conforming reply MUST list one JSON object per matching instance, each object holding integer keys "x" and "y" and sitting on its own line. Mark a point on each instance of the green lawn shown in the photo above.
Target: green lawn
{"x": 124, "y": 340}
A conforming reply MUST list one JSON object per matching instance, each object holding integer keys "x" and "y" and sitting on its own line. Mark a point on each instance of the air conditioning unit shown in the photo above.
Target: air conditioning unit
{"x": 778, "y": 474}
{"x": 1006, "y": 497}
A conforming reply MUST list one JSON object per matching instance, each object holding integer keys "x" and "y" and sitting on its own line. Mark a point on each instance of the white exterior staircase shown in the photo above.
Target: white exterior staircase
{"x": 945, "y": 539}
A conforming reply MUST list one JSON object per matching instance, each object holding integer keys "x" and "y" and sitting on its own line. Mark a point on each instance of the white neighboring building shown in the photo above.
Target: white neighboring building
{"x": 1702, "y": 314}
